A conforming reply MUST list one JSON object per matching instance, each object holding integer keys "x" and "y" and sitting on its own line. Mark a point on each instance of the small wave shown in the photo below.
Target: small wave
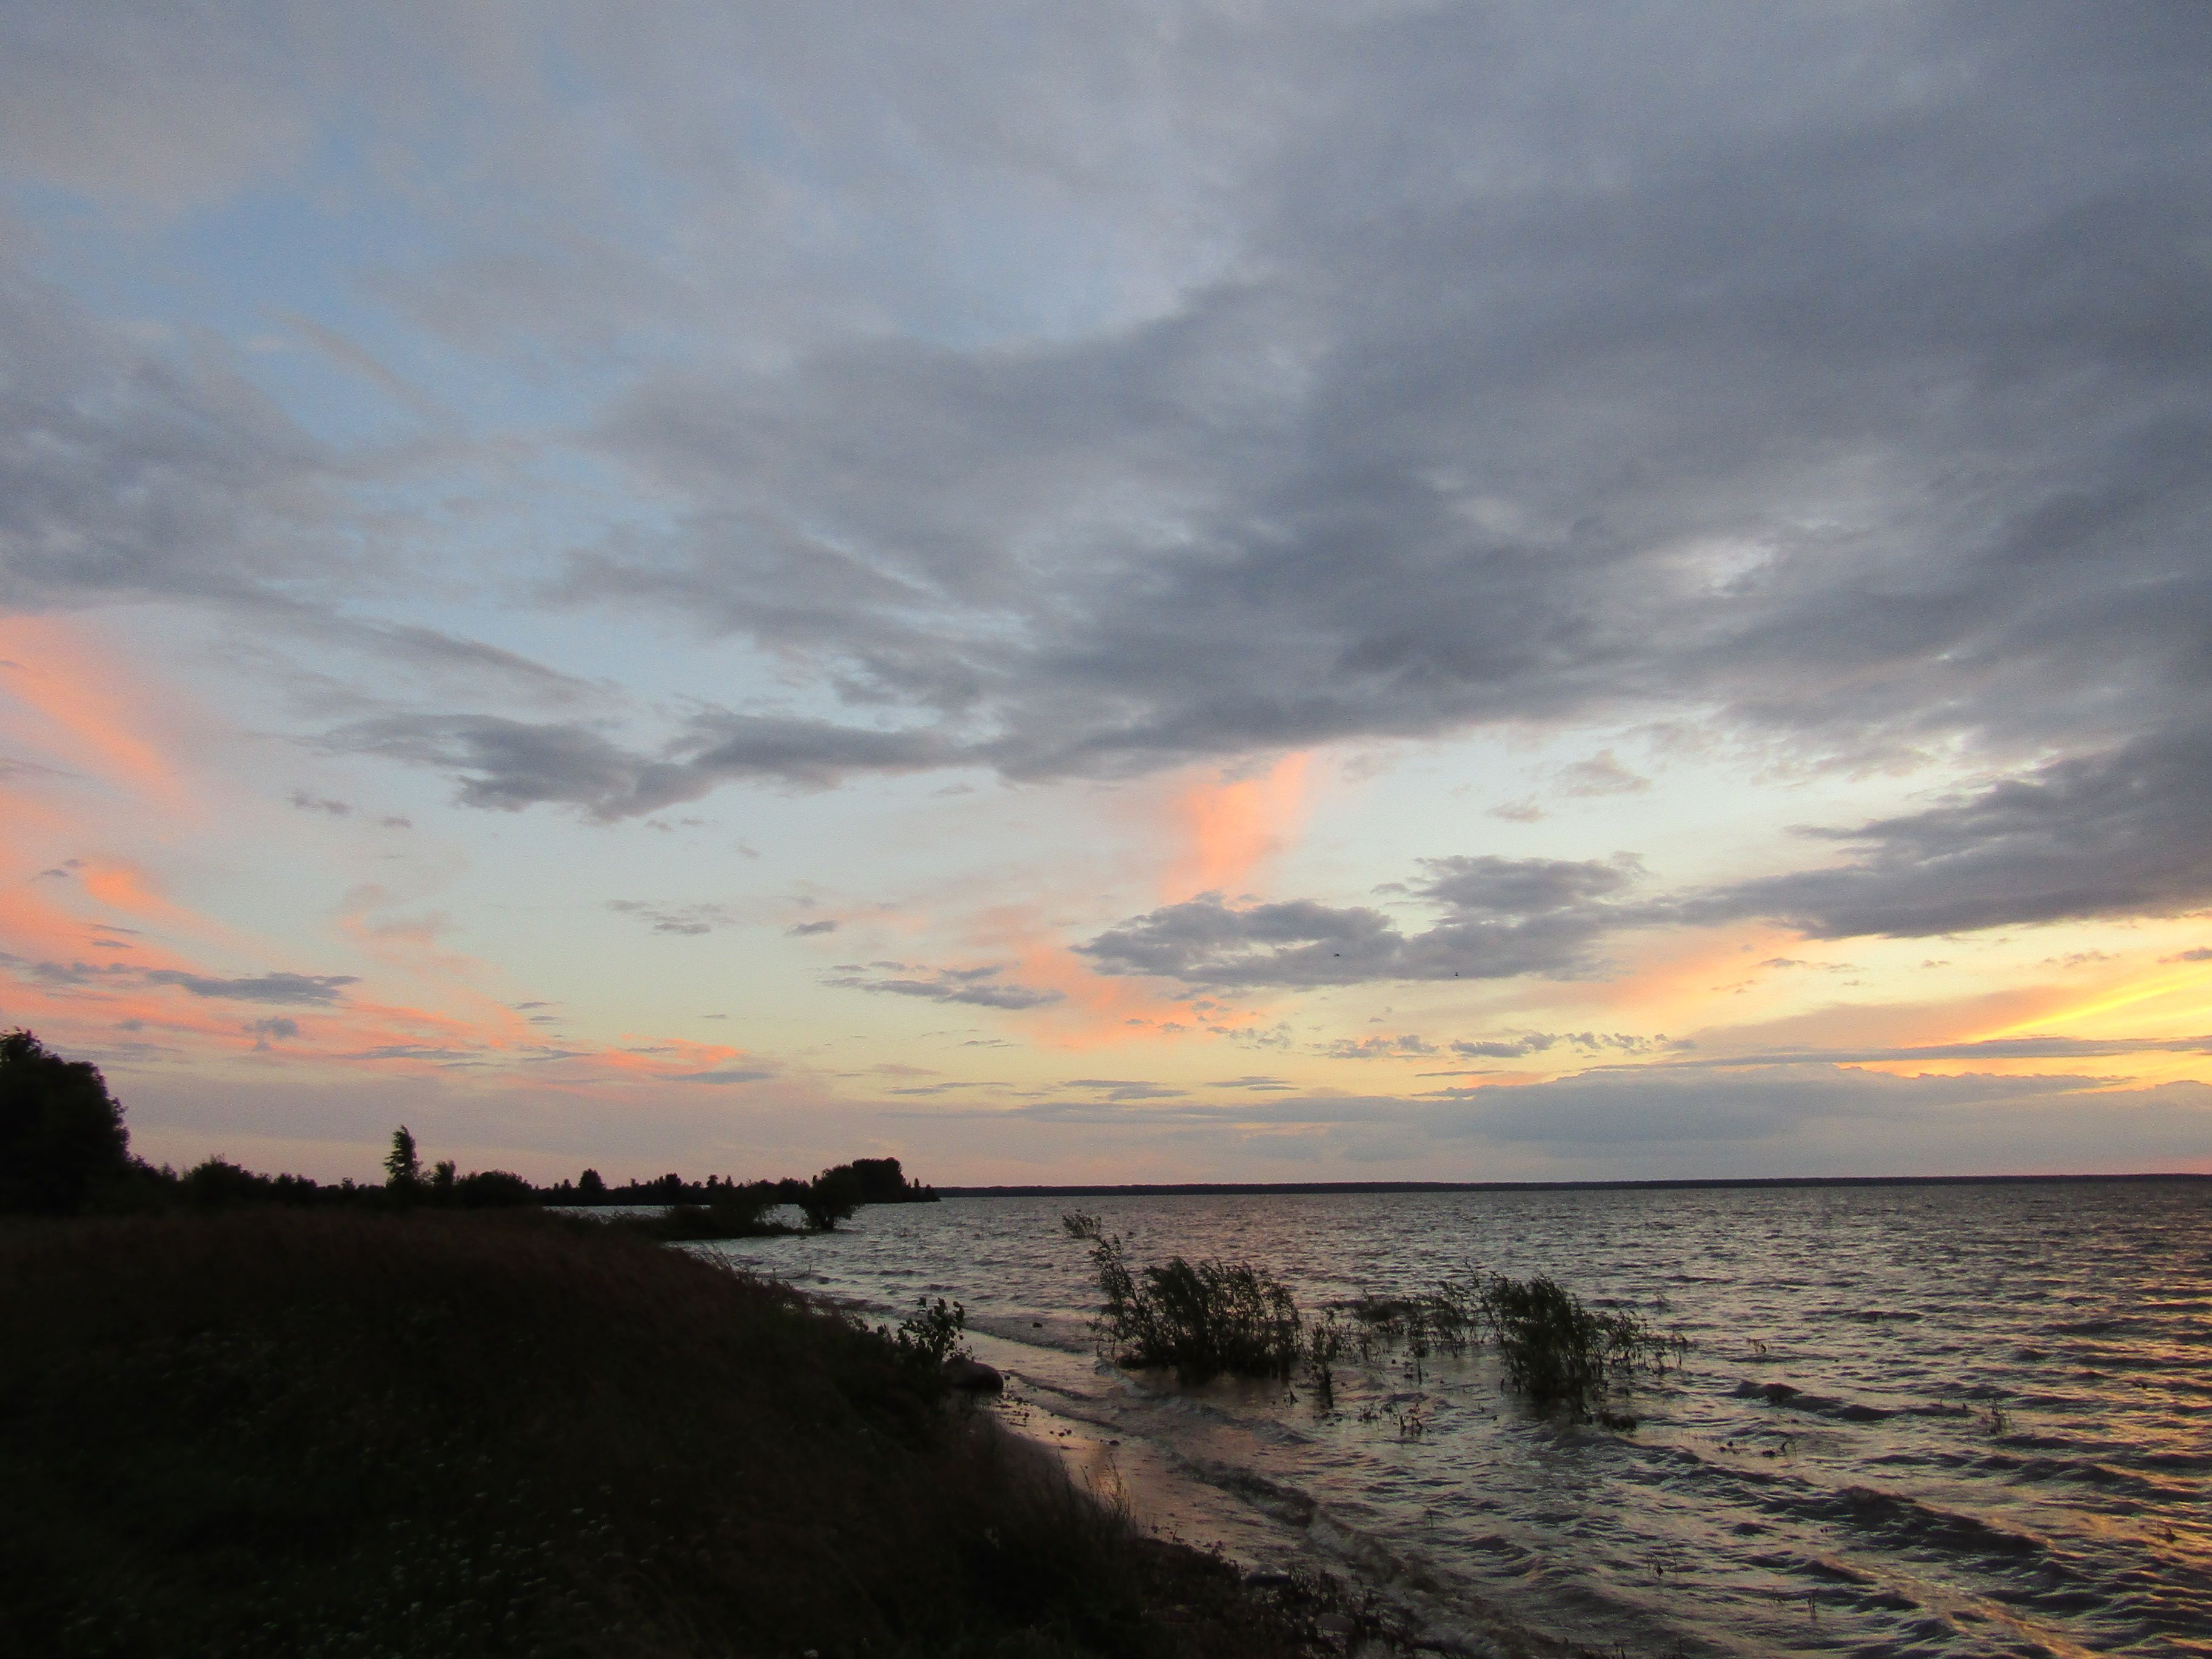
{"x": 1903, "y": 1523}
{"x": 1796, "y": 1400}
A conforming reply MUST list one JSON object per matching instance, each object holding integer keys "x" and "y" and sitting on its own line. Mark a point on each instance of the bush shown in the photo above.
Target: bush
{"x": 219, "y": 1184}
{"x": 490, "y": 1189}
{"x": 1204, "y": 1318}
{"x": 733, "y": 1212}
{"x": 61, "y": 1132}
{"x": 932, "y": 1333}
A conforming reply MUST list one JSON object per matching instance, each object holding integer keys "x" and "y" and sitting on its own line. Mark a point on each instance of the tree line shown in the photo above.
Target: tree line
{"x": 64, "y": 1150}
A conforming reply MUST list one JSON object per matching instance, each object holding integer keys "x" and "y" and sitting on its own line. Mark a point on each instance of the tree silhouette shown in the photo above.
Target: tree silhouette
{"x": 403, "y": 1164}
{"x": 60, "y": 1131}
{"x": 829, "y": 1198}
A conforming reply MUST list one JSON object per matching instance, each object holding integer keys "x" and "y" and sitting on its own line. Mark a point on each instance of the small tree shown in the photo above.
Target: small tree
{"x": 829, "y": 1198}
{"x": 60, "y": 1131}
{"x": 591, "y": 1186}
{"x": 403, "y": 1164}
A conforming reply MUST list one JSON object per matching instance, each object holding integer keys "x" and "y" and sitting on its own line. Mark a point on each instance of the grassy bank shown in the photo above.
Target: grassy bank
{"x": 300, "y": 1433}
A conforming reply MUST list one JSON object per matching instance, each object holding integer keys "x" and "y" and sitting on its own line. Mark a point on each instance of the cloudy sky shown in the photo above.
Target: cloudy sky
{"x": 1131, "y": 591}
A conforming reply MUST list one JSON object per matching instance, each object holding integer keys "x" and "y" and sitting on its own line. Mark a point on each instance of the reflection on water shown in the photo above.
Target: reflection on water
{"x": 1955, "y": 1420}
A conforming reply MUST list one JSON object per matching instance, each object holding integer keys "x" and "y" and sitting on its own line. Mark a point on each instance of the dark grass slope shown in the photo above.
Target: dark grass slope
{"x": 310, "y": 1432}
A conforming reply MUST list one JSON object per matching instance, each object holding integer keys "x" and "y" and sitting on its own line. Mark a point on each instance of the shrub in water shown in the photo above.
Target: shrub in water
{"x": 1204, "y": 1318}
{"x": 1559, "y": 1353}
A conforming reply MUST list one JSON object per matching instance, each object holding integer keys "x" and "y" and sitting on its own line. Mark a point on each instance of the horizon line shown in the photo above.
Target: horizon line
{"x": 1235, "y": 1189}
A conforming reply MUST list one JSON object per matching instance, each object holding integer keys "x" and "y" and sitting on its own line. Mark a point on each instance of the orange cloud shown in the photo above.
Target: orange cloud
{"x": 1097, "y": 1012}
{"x": 1094, "y": 1010}
{"x": 101, "y": 713}
{"x": 408, "y": 942}
{"x": 1232, "y": 826}
{"x": 2183, "y": 994}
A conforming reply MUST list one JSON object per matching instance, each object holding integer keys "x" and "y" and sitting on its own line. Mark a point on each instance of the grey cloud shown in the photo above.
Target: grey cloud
{"x": 1837, "y": 380}
{"x": 1537, "y": 1042}
{"x": 1124, "y": 1089}
{"x": 267, "y": 988}
{"x": 2026, "y": 1048}
{"x": 1600, "y": 775}
{"x": 1801, "y": 398}
{"x": 434, "y": 651}
{"x": 128, "y": 472}
{"x": 2109, "y": 835}
{"x": 12, "y": 768}
{"x": 1502, "y": 917}
{"x": 308, "y": 803}
{"x": 421, "y": 1051}
{"x": 2114, "y": 834}
{"x": 1405, "y": 1047}
{"x": 77, "y": 973}
{"x": 979, "y": 987}
{"x": 807, "y": 929}
{"x": 278, "y": 1027}
{"x": 146, "y": 468}
{"x": 2202, "y": 953}
{"x": 687, "y": 918}
{"x": 510, "y": 764}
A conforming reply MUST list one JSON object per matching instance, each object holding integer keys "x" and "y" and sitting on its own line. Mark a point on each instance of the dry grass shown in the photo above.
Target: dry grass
{"x": 281, "y": 1431}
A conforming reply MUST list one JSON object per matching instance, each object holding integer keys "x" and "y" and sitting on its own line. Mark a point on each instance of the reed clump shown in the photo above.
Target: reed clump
{"x": 1206, "y": 1319}
{"x": 1213, "y": 1318}
{"x": 1556, "y": 1351}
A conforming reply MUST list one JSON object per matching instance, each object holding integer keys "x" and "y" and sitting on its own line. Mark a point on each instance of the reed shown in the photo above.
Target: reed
{"x": 1556, "y": 1351}
{"x": 1209, "y": 1318}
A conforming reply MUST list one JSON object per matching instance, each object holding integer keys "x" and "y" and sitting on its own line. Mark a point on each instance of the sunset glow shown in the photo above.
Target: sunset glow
{"x": 1077, "y": 615}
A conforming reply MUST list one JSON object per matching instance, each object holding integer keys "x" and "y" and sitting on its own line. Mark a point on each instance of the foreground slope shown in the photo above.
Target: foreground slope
{"x": 307, "y": 1432}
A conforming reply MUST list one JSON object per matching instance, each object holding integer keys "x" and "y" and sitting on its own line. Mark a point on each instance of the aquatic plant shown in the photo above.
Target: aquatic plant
{"x": 1204, "y": 1318}
{"x": 1324, "y": 1345}
{"x": 1556, "y": 1351}
{"x": 1448, "y": 1318}
{"x": 1559, "y": 1353}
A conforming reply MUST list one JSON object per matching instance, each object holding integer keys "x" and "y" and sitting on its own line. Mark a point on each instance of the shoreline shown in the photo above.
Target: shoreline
{"x": 1685, "y": 1184}
{"x": 1269, "y": 1534}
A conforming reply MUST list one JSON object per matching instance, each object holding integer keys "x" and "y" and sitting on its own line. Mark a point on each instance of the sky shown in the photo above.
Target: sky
{"x": 1135, "y": 591}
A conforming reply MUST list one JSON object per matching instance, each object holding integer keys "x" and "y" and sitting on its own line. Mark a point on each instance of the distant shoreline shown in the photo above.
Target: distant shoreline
{"x": 1265, "y": 1188}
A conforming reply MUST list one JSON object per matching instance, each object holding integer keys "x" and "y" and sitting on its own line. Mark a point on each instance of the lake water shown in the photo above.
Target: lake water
{"x": 1998, "y": 1442}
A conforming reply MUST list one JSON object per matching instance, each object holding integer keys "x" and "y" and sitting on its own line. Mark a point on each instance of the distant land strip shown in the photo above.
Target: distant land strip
{"x": 1266, "y": 1189}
